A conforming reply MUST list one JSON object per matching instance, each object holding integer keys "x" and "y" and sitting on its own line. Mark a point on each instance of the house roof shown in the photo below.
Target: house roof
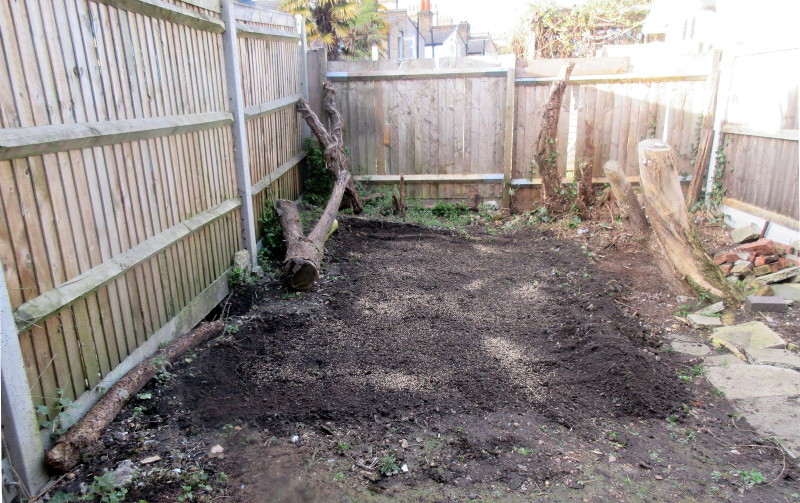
{"x": 477, "y": 45}
{"x": 438, "y": 34}
{"x": 393, "y": 16}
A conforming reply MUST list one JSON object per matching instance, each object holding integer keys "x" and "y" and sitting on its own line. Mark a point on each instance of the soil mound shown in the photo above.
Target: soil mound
{"x": 414, "y": 322}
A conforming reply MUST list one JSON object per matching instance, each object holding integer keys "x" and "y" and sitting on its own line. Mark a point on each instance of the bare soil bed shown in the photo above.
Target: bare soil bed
{"x": 433, "y": 366}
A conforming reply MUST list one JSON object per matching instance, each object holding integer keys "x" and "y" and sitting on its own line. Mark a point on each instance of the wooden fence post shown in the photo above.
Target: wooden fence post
{"x": 20, "y": 427}
{"x": 720, "y": 112}
{"x": 233, "y": 77}
{"x": 510, "y": 63}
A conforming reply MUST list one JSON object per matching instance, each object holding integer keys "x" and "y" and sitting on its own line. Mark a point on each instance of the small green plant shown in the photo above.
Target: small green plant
{"x": 718, "y": 190}
{"x": 59, "y": 416}
{"x": 388, "y": 465}
{"x": 318, "y": 184}
{"x": 343, "y": 446}
{"x": 240, "y": 277}
{"x": 524, "y": 451}
{"x": 449, "y": 210}
{"x": 231, "y": 329}
{"x": 271, "y": 236}
{"x": 655, "y": 455}
{"x": 683, "y": 310}
{"x": 752, "y": 477}
{"x": 104, "y": 490}
{"x": 689, "y": 374}
{"x": 718, "y": 392}
{"x": 339, "y": 477}
{"x": 145, "y": 395}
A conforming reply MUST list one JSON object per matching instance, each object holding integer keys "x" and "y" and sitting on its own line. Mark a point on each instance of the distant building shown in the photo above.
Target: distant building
{"x": 427, "y": 34}
{"x": 404, "y": 39}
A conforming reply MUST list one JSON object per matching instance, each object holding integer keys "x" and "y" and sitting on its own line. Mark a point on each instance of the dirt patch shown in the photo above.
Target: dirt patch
{"x": 430, "y": 366}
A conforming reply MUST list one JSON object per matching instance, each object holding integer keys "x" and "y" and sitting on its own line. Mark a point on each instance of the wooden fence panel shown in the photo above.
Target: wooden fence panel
{"x": 151, "y": 215}
{"x": 274, "y": 130}
{"x": 758, "y": 131}
{"x": 763, "y": 172}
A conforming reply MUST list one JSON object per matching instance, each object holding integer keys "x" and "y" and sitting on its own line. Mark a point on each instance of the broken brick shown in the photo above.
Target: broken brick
{"x": 762, "y": 270}
{"x": 776, "y": 266}
{"x": 725, "y": 258}
{"x": 759, "y": 261}
{"x": 726, "y": 269}
{"x": 763, "y": 246}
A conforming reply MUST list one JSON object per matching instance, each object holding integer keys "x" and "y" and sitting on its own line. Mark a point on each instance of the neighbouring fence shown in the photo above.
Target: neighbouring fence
{"x": 442, "y": 123}
{"x": 140, "y": 142}
{"x": 758, "y": 118}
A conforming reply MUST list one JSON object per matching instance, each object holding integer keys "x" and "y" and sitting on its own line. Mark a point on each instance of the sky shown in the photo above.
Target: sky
{"x": 495, "y": 16}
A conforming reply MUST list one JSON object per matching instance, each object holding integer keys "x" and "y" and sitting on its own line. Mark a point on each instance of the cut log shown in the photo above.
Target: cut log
{"x": 304, "y": 253}
{"x": 332, "y": 142}
{"x": 66, "y": 453}
{"x": 666, "y": 212}
{"x": 626, "y": 199}
{"x": 546, "y": 149}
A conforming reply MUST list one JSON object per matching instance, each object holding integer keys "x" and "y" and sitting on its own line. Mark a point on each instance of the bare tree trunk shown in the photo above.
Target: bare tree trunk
{"x": 304, "y": 253}
{"x": 332, "y": 143}
{"x": 584, "y": 176}
{"x": 66, "y": 453}
{"x": 666, "y": 211}
{"x": 626, "y": 199}
{"x": 399, "y": 203}
{"x": 700, "y": 167}
{"x": 546, "y": 150}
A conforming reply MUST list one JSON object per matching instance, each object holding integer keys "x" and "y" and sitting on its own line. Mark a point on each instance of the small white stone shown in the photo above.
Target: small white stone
{"x": 150, "y": 459}
{"x": 404, "y": 468}
{"x": 217, "y": 449}
{"x": 294, "y": 439}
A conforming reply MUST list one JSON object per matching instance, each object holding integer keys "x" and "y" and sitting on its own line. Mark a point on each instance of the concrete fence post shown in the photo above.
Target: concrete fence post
{"x": 21, "y": 437}
{"x": 233, "y": 76}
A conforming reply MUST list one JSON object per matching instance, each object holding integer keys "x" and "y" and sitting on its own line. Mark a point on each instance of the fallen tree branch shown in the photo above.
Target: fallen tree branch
{"x": 332, "y": 142}
{"x": 66, "y": 453}
{"x": 304, "y": 254}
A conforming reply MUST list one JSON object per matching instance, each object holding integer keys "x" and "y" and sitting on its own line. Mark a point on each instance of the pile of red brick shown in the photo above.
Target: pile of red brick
{"x": 757, "y": 259}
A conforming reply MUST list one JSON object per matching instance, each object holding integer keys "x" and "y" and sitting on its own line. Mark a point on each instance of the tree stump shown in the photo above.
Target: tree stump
{"x": 666, "y": 211}
{"x": 626, "y": 199}
{"x": 546, "y": 151}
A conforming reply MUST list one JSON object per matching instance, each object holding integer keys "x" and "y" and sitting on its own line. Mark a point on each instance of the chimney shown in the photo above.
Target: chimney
{"x": 463, "y": 30}
{"x": 425, "y": 17}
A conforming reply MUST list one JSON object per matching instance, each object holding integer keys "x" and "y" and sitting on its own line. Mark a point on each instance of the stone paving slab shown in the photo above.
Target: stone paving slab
{"x": 754, "y": 381}
{"x": 777, "y": 415}
{"x": 691, "y": 348}
{"x": 753, "y": 334}
{"x": 722, "y": 361}
{"x": 787, "y": 291}
{"x": 700, "y": 321}
{"x": 775, "y": 357}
